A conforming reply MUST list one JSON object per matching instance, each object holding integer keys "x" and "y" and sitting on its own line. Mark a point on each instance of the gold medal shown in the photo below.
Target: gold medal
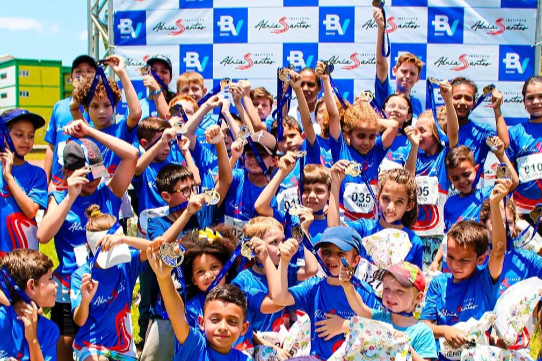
{"x": 246, "y": 251}
{"x": 284, "y": 74}
{"x": 353, "y": 169}
{"x": 102, "y": 63}
{"x": 145, "y": 70}
{"x": 297, "y": 233}
{"x": 225, "y": 84}
{"x": 346, "y": 265}
{"x": 300, "y": 153}
{"x": 502, "y": 172}
{"x": 296, "y": 209}
{"x": 490, "y": 141}
{"x": 378, "y": 3}
{"x": 536, "y": 213}
{"x": 180, "y": 128}
{"x": 433, "y": 80}
{"x": 366, "y": 95}
{"x": 328, "y": 67}
{"x": 212, "y": 197}
{"x": 488, "y": 89}
{"x": 171, "y": 254}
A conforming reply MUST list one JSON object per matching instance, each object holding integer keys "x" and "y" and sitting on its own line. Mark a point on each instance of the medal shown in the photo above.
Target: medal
{"x": 145, "y": 70}
{"x": 502, "y": 171}
{"x": 353, "y": 169}
{"x": 76, "y": 82}
{"x": 378, "y": 3}
{"x": 536, "y": 213}
{"x": 212, "y": 197}
{"x": 284, "y": 74}
{"x": 366, "y": 95}
{"x": 328, "y": 67}
{"x": 296, "y": 209}
{"x": 247, "y": 252}
{"x": 297, "y": 233}
{"x": 433, "y": 80}
{"x": 102, "y": 63}
{"x": 171, "y": 254}
{"x": 225, "y": 84}
{"x": 346, "y": 265}
{"x": 488, "y": 89}
{"x": 490, "y": 141}
{"x": 180, "y": 128}
{"x": 300, "y": 153}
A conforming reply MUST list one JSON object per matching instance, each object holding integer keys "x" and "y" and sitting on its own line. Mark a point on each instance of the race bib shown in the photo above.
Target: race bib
{"x": 428, "y": 190}
{"x": 387, "y": 164}
{"x": 81, "y": 254}
{"x": 357, "y": 198}
{"x": 287, "y": 198}
{"x": 530, "y": 168}
{"x": 236, "y": 224}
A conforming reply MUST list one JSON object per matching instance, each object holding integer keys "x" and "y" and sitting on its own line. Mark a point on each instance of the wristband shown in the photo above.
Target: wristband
{"x": 156, "y": 92}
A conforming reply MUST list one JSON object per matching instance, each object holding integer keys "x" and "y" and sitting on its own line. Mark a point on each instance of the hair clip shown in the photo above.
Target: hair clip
{"x": 209, "y": 235}
{"x": 95, "y": 214}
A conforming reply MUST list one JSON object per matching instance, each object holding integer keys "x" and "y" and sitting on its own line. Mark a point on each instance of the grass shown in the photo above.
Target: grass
{"x": 49, "y": 250}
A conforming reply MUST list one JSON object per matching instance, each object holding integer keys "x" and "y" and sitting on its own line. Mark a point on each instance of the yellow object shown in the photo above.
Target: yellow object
{"x": 209, "y": 235}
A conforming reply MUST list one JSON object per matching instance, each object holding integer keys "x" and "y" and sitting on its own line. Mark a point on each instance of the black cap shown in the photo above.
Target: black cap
{"x": 83, "y": 59}
{"x": 74, "y": 157}
{"x": 11, "y": 116}
{"x": 162, "y": 58}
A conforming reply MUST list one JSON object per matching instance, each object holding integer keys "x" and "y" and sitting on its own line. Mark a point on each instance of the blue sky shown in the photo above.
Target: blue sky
{"x": 44, "y": 29}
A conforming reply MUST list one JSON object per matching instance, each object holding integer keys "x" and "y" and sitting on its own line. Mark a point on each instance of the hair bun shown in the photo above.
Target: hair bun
{"x": 93, "y": 211}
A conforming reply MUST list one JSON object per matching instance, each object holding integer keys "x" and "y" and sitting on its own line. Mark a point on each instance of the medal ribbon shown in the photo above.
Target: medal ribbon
{"x": 430, "y": 90}
{"x": 229, "y": 263}
{"x": 483, "y": 97}
{"x": 385, "y": 37}
{"x": 6, "y": 277}
{"x": 100, "y": 74}
{"x": 160, "y": 82}
{"x": 258, "y": 156}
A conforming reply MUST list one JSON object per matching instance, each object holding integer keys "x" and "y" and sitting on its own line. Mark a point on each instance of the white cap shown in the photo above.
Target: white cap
{"x": 118, "y": 254}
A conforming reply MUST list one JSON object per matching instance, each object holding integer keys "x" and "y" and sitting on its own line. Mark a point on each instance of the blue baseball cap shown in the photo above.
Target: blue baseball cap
{"x": 343, "y": 237}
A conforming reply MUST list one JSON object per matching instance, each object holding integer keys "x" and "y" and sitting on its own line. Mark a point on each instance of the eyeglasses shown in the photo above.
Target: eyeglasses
{"x": 185, "y": 191}
{"x": 393, "y": 106}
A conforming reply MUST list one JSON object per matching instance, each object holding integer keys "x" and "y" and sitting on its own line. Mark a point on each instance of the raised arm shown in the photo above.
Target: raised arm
{"x": 391, "y": 127}
{"x": 263, "y": 203}
{"x": 502, "y": 128}
{"x": 254, "y": 123}
{"x": 498, "y": 234}
{"x": 503, "y": 158}
{"x": 354, "y": 299}
{"x": 159, "y": 99}
{"x": 112, "y": 240}
{"x": 195, "y": 202}
{"x": 329, "y": 99}
{"x": 337, "y": 177}
{"x": 146, "y": 158}
{"x": 215, "y": 136}
{"x": 452, "y": 124}
{"x": 381, "y": 62}
{"x": 414, "y": 137}
{"x": 184, "y": 146}
{"x": 303, "y": 107}
{"x": 278, "y": 279}
{"x": 195, "y": 120}
{"x": 119, "y": 67}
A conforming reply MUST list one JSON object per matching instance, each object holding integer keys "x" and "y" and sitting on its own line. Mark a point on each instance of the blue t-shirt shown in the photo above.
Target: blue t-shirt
{"x": 247, "y": 280}
{"x": 474, "y": 135}
{"x": 207, "y": 163}
{"x": 316, "y": 297}
{"x": 431, "y": 178}
{"x": 73, "y": 233}
{"x": 196, "y": 348}
{"x": 448, "y": 303}
{"x": 13, "y": 342}
{"x": 525, "y": 151}
{"x": 465, "y": 208}
{"x": 145, "y": 183}
{"x": 55, "y": 135}
{"x": 17, "y": 230}
{"x": 121, "y": 131}
{"x": 367, "y": 227}
{"x": 288, "y": 191}
{"x": 206, "y": 122}
{"x": 355, "y": 199}
{"x": 421, "y": 336}
{"x": 384, "y": 90}
{"x": 109, "y": 323}
{"x": 519, "y": 265}
{"x": 325, "y": 151}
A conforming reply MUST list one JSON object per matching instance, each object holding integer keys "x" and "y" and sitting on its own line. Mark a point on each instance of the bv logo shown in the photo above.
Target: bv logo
{"x": 442, "y": 24}
{"x": 126, "y": 28}
{"x": 465, "y": 63}
{"x": 192, "y": 61}
{"x": 299, "y": 55}
{"x": 297, "y": 59}
{"x": 227, "y": 25}
{"x": 333, "y": 23}
{"x": 513, "y": 61}
{"x": 197, "y": 58}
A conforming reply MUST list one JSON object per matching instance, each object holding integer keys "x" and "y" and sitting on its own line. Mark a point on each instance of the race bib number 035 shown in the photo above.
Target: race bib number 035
{"x": 530, "y": 168}
{"x": 357, "y": 198}
{"x": 428, "y": 190}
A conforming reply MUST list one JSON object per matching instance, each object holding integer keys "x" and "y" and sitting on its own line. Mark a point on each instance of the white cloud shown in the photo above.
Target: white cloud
{"x": 17, "y": 24}
{"x": 53, "y": 29}
{"x": 84, "y": 35}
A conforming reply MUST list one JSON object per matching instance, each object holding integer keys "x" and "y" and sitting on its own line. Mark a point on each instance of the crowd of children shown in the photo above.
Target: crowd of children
{"x": 248, "y": 218}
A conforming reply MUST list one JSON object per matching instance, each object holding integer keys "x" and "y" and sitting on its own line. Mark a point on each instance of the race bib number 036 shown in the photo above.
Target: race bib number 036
{"x": 530, "y": 168}
{"x": 357, "y": 198}
{"x": 428, "y": 190}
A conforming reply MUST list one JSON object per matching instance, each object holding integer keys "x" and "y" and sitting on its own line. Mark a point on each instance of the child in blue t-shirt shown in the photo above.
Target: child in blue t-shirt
{"x": 268, "y": 233}
{"x": 355, "y": 140}
{"x": 101, "y": 290}
{"x": 397, "y": 107}
{"x": 65, "y": 218}
{"x": 397, "y": 205}
{"x": 223, "y": 321}
{"x": 82, "y": 67}
{"x": 100, "y": 109}
{"x": 468, "y": 291}
{"x": 407, "y": 70}
{"x": 23, "y": 186}
{"x": 323, "y": 299}
{"x": 403, "y": 290}
{"x": 526, "y": 148}
{"x": 26, "y": 334}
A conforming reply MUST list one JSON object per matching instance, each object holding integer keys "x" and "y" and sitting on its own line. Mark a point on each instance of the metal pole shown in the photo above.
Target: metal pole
{"x": 538, "y": 39}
